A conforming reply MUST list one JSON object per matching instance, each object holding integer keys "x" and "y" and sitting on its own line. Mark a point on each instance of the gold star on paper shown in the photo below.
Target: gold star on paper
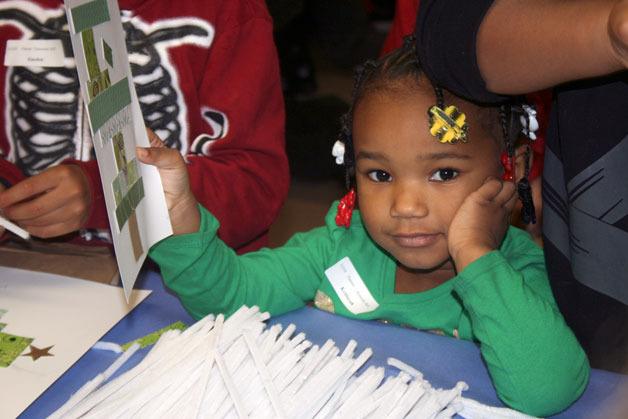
{"x": 37, "y": 353}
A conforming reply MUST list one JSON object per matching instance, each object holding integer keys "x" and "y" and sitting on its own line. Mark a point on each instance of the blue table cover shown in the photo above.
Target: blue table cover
{"x": 442, "y": 360}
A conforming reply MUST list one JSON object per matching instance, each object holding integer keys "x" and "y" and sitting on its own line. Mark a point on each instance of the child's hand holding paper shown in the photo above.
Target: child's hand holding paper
{"x": 182, "y": 206}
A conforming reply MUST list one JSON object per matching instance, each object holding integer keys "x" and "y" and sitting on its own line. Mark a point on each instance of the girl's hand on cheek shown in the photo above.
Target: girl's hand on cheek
{"x": 182, "y": 206}
{"x": 481, "y": 221}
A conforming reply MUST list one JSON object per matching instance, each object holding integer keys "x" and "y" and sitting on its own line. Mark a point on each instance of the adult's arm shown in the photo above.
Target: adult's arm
{"x": 485, "y": 48}
{"x": 529, "y": 45}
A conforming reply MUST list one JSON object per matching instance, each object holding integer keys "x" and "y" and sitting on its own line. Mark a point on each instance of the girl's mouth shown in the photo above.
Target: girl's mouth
{"x": 415, "y": 239}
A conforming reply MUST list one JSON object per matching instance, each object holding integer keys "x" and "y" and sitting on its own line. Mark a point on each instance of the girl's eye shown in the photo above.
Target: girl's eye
{"x": 443, "y": 175}
{"x": 379, "y": 176}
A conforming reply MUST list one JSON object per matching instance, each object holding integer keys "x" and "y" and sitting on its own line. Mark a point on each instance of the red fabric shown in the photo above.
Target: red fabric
{"x": 243, "y": 179}
{"x": 10, "y": 172}
{"x": 98, "y": 211}
{"x": 403, "y": 24}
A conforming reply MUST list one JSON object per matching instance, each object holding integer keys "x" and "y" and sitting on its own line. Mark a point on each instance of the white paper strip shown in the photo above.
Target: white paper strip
{"x": 14, "y": 228}
{"x": 241, "y": 369}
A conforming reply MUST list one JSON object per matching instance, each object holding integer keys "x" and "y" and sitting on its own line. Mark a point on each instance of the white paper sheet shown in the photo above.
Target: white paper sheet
{"x": 66, "y": 313}
{"x": 34, "y": 52}
{"x": 136, "y": 206}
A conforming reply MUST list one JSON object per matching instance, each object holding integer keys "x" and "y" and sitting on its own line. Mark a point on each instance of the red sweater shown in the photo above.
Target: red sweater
{"x": 205, "y": 69}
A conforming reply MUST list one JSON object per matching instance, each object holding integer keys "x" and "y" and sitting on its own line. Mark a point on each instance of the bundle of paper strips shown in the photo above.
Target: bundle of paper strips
{"x": 239, "y": 368}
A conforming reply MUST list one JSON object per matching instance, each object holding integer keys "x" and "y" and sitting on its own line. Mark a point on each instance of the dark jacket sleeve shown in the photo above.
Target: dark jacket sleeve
{"x": 446, "y": 34}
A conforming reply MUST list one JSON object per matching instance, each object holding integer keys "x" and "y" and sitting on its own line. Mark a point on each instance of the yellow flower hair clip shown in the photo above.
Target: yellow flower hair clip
{"x": 449, "y": 125}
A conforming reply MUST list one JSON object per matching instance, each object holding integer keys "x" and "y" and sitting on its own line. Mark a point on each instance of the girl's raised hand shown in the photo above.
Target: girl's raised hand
{"x": 182, "y": 206}
{"x": 481, "y": 222}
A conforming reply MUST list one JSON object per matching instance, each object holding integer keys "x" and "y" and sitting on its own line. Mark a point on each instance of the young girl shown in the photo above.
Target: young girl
{"x": 430, "y": 246}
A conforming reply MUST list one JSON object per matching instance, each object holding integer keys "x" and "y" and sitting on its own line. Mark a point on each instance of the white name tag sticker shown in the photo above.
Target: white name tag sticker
{"x": 34, "y": 53}
{"x": 350, "y": 287}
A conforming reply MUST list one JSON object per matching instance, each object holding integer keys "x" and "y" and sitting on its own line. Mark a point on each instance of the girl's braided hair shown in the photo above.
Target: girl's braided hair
{"x": 370, "y": 76}
{"x": 403, "y": 64}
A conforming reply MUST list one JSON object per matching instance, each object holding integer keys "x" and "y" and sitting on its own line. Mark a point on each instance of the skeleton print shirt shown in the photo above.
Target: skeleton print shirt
{"x": 207, "y": 79}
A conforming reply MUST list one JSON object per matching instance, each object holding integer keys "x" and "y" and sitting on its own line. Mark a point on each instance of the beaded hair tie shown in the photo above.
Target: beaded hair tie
{"x": 447, "y": 124}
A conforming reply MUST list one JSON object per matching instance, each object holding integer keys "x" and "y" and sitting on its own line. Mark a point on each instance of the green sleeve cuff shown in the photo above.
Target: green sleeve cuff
{"x": 185, "y": 243}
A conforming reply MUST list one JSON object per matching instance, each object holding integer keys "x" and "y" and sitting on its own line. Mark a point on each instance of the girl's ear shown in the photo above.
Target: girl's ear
{"x": 522, "y": 153}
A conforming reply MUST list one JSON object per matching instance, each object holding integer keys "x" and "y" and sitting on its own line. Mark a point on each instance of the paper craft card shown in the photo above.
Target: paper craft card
{"x": 137, "y": 210}
{"x": 47, "y": 322}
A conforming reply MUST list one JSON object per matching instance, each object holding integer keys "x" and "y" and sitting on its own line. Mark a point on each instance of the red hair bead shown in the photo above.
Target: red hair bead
{"x": 345, "y": 209}
{"x": 507, "y": 162}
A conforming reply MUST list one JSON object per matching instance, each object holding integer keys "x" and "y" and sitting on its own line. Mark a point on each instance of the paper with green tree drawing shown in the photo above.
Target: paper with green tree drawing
{"x": 137, "y": 210}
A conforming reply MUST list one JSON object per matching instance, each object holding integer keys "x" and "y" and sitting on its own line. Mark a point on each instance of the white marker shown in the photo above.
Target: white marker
{"x": 13, "y": 228}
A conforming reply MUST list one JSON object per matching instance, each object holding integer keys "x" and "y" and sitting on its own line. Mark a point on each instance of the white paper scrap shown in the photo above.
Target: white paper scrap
{"x": 52, "y": 321}
{"x": 34, "y": 53}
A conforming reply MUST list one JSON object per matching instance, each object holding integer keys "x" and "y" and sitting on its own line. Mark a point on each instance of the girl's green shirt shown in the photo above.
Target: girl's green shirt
{"x": 503, "y": 300}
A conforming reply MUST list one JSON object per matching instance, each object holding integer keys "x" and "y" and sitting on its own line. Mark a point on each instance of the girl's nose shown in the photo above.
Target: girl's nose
{"x": 408, "y": 202}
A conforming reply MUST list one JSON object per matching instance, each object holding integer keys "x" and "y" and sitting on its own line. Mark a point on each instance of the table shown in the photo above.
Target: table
{"x": 442, "y": 360}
